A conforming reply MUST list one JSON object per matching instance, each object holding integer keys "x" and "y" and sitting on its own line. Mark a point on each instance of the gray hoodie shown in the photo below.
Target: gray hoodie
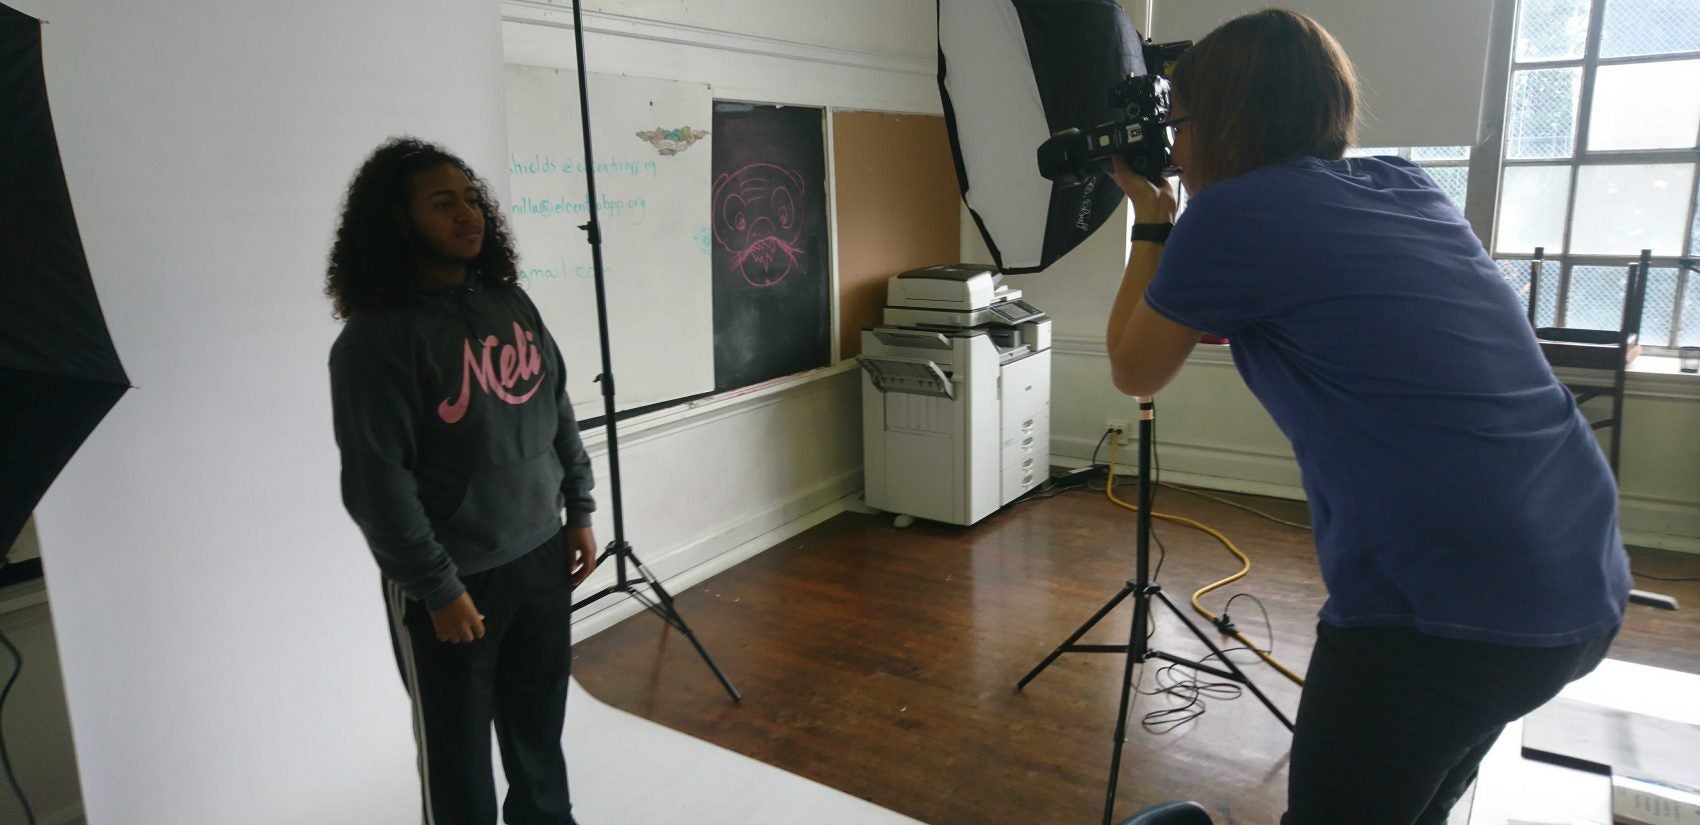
{"x": 459, "y": 447}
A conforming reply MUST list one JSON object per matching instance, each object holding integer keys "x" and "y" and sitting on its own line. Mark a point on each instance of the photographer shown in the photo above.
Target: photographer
{"x": 1465, "y": 518}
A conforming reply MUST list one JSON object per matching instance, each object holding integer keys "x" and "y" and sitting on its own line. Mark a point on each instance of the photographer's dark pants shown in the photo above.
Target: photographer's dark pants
{"x": 515, "y": 677}
{"x": 1393, "y": 723}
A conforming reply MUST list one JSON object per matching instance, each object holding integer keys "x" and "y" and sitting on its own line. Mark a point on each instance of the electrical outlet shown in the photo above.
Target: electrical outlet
{"x": 1122, "y": 429}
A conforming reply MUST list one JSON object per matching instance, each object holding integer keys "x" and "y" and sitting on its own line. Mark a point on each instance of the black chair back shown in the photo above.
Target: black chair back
{"x": 1171, "y": 813}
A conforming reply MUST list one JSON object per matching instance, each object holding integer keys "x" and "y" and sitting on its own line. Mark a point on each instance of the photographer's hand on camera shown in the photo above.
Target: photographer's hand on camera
{"x": 1151, "y": 203}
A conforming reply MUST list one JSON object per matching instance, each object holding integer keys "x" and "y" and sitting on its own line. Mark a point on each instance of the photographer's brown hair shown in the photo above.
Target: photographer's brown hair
{"x": 1269, "y": 87}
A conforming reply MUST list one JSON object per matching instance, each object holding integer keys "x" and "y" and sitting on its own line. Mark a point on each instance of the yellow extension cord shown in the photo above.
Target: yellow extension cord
{"x": 1245, "y": 567}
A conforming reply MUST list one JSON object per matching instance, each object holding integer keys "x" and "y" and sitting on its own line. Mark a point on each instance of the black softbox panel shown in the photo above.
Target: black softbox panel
{"x": 59, "y": 373}
{"x": 1012, "y": 73}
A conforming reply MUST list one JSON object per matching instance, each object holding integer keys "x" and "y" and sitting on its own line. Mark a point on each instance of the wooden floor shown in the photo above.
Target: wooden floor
{"x": 883, "y": 662}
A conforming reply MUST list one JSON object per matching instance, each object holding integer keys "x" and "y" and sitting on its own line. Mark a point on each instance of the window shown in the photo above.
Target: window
{"x": 1448, "y": 165}
{"x": 1601, "y": 148}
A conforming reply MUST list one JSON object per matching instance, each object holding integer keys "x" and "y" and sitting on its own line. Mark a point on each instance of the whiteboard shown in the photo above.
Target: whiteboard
{"x": 652, "y": 191}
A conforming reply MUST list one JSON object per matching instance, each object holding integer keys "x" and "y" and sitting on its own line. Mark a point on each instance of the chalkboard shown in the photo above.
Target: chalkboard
{"x": 771, "y": 273}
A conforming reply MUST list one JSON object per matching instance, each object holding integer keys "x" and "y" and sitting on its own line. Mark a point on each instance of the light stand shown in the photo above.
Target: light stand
{"x": 657, "y": 600}
{"x": 1138, "y": 650}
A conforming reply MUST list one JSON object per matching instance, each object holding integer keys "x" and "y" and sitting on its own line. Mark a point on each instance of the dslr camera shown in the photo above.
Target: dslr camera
{"x": 1141, "y": 136}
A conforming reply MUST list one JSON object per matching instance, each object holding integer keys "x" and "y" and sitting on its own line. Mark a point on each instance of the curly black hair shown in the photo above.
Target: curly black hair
{"x": 368, "y": 263}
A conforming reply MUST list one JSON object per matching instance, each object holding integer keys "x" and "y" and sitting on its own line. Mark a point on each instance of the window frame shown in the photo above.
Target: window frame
{"x": 1488, "y": 165}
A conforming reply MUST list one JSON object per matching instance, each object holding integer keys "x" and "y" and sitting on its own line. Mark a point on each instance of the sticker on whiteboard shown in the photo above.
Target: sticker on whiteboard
{"x": 669, "y": 142}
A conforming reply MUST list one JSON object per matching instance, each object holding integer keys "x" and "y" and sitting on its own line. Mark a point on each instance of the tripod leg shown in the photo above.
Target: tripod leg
{"x": 1081, "y": 631}
{"x": 670, "y": 614}
{"x": 1136, "y": 647}
{"x": 1226, "y": 662}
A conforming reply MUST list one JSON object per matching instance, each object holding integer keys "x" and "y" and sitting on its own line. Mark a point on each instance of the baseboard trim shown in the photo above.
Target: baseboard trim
{"x": 1273, "y": 474}
{"x": 1221, "y": 484}
{"x": 68, "y": 815}
{"x": 722, "y": 548}
{"x": 1649, "y": 522}
{"x": 713, "y": 409}
{"x": 1644, "y": 521}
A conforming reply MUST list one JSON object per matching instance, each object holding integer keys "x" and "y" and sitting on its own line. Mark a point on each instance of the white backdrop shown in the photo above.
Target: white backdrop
{"x": 220, "y": 620}
{"x": 654, "y": 210}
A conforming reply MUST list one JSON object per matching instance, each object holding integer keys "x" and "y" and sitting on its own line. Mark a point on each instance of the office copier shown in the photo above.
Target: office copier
{"x": 956, "y": 396}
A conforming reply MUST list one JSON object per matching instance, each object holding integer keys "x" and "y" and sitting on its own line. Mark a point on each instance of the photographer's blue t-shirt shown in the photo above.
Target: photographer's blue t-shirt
{"x": 1453, "y": 484}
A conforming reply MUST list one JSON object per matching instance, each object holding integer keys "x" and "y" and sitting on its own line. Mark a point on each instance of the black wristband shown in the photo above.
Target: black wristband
{"x": 1153, "y": 232}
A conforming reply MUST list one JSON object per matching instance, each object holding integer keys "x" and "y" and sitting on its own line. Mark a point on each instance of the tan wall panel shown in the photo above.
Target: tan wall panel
{"x": 897, "y": 201}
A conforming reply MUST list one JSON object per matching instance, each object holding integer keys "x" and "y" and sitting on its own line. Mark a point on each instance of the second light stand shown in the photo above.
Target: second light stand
{"x": 1138, "y": 650}
{"x": 656, "y": 599}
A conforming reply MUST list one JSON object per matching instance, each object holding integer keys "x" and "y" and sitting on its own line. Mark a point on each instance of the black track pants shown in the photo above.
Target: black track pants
{"x": 1393, "y": 723}
{"x": 515, "y": 677}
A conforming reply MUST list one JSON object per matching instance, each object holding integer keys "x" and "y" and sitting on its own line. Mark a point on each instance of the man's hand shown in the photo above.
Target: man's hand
{"x": 459, "y": 622}
{"x": 581, "y": 549}
{"x": 1151, "y": 203}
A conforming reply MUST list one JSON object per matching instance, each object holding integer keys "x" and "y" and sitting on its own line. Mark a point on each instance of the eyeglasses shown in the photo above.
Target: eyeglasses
{"x": 1171, "y": 129}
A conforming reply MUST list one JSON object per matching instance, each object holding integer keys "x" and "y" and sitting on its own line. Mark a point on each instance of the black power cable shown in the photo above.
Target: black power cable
{"x": 5, "y": 759}
{"x": 1101, "y": 440}
{"x": 1189, "y": 691}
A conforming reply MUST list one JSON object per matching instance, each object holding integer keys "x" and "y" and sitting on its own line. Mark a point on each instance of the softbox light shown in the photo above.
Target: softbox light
{"x": 1012, "y": 73}
{"x": 59, "y": 373}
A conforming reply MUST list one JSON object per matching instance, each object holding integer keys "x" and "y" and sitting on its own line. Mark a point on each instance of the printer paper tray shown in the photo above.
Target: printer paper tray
{"x": 917, "y": 376}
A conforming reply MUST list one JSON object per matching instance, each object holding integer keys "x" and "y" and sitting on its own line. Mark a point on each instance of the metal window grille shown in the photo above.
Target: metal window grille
{"x": 1559, "y": 48}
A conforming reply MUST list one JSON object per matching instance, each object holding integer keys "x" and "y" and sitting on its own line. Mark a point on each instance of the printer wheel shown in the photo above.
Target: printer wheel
{"x": 902, "y": 521}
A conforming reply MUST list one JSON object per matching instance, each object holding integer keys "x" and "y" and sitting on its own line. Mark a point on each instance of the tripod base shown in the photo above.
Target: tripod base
{"x": 1139, "y": 651}
{"x": 646, "y": 589}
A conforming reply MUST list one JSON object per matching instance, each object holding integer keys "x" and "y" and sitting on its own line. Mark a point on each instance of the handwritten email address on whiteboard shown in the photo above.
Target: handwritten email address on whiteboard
{"x": 652, "y": 168}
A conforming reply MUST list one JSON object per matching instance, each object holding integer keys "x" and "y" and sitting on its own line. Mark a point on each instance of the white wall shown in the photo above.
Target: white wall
{"x": 740, "y": 56}
{"x": 1420, "y": 65}
{"x": 224, "y": 648}
{"x": 894, "y": 27}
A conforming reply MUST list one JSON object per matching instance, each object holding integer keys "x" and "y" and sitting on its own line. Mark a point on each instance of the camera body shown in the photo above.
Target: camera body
{"x": 1141, "y": 136}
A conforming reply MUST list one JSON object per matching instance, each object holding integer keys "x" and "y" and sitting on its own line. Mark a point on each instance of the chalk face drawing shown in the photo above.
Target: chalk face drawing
{"x": 758, "y": 218}
{"x": 670, "y": 142}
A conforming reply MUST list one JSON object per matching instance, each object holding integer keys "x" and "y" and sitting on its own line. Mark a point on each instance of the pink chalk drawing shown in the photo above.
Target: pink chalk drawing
{"x": 669, "y": 142}
{"x": 758, "y": 217}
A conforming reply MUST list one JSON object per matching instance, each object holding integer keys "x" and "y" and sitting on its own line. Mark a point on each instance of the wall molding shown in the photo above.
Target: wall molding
{"x": 705, "y": 411}
{"x": 726, "y": 545}
{"x": 533, "y": 12}
{"x": 1655, "y": 377}
{"x": 64, "y": 816}
{"x": 1219, "y": 468}
{"x": 1645, "y": 521}
{"x": 1658, "y": 521}
{"x": 1648, "y": 521}
{"x": 1648, "y": 382}
{"x": 19, "y": 597}
{"x": 1073, "y": 345}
